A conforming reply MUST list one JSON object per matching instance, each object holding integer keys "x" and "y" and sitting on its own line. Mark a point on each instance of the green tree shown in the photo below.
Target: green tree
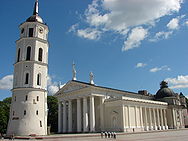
{"x": 53, "y": 113}
{"x": 4, "y": 114}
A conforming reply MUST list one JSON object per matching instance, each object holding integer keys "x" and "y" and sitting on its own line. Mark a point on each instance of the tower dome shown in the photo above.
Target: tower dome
{"x": 35, "y": 17}
{"x": 164, "y": 91}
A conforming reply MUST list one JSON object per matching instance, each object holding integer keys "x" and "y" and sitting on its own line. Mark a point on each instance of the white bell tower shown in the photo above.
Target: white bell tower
{"x": 28, "y": 114}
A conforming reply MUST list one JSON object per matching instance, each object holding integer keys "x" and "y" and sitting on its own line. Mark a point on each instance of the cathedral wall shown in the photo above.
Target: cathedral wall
{"x": 113, "y": 117}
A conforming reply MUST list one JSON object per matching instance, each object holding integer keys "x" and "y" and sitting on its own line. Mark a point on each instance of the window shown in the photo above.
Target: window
{"x": 40, "y": 54}
{"x": 24, "y": 112}
{"x": 26, "y": 97}
{"x": 37, "y": 112}
{"x": 40, "y": 123}
{"x": 30, "y": 32}
{"x": 37, "y": 98}
{"x": 15, "y": 98}
{"x": 18, "y": 57}
{"x": 39, "y": 79}
{"x": 27, "y": 78}
{"x": 28, "y": 54}
{"x": 13, "y": 113}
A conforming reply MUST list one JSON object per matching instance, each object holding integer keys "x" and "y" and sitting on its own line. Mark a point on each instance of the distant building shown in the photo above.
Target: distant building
{"x": 28, "y": 112}
{"x": 85, "y": 107}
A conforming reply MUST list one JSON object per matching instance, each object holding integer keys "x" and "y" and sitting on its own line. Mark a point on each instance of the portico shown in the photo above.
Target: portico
{"x": 84, "y": 106}
{"x": 84, "y": 111}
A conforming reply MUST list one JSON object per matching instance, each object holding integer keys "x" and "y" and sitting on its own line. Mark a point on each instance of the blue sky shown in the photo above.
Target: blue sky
{"x": 128, "y": 44}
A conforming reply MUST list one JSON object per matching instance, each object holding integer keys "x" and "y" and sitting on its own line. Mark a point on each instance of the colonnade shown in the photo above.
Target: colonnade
{"x": 85, "y": 115}
{"x": 154, "y": 119}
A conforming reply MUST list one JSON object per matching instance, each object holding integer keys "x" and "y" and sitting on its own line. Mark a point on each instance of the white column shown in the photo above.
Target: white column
{"x": 78, "y": 115}
{"x": 165, "y": 119}
{"x": 183, "y": 119}
{"x": 174, "y": 119}
{"x": 85, "y": 115}
{"x": 136, "y": 117}
{"x": 150, "y": 120}
{"x": 146, "y": 119}
{"x": 129, "y": 116}
{"x": 126, "y": 118}
{"x": 180, "y": 118}
{"x": 92, "y": 114}
{"x": 64, "y": 117}
{"x": 70, "y": 116}
{"x": 141, "y": 118}
{"x": 101, "y": 113}
{"x": 59, "y": 117}
{"x": 162, "y": 117}
{"x": 154, "y": 120}
{"x": 158, "y": 120}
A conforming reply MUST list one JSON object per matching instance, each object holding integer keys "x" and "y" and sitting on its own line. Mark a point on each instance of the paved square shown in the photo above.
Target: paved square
{"x": 174, "y": 135}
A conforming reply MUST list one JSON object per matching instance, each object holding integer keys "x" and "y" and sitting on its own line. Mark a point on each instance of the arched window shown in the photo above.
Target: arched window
{"x": 39, "y": 79}
{"x": 18, "y": 57}
{"x": 40, "y": 54}
{"x": 27, "y": 78}
{"x": 37, "y": 112}
{"x": 28, "y": 54}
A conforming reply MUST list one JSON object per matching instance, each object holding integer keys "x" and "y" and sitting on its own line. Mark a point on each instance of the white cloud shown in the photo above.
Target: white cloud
{"x": 186, "y": 23}
{"x": 121, "y": 14}
{"x": 73, "y": 28}
{"x": 52, "y": 89}
{"x": 156, "y": 69}
{"x": 89, "y": 33}
{"x": 173, "y": 24}
{"x": 52, "y": 86}
{"x": 6, "y": 83}
{"x": 134, "y": 38}
{"x": 179, "y": 86}
{"x": 180, "y": 81}
{"x": 161, "y": 35}
{"x": 140, "y": 65}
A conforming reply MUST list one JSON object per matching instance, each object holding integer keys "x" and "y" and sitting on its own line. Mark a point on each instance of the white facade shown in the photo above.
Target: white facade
{"x": 84, "y": 107}
{"x": 28, "y": 114}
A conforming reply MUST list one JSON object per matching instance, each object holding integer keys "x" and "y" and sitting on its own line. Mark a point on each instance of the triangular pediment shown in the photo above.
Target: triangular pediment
{"x": 72, "y": 86}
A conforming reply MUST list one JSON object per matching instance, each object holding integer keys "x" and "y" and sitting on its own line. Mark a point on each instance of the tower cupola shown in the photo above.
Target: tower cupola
{"x": 35, "y": 17}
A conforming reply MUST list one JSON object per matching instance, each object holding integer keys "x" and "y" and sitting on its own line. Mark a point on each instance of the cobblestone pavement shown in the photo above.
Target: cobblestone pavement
{"x": 177, "y": 135}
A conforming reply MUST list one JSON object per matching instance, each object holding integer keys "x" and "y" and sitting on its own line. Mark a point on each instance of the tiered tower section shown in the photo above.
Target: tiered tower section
{"x": 28, "y": 114}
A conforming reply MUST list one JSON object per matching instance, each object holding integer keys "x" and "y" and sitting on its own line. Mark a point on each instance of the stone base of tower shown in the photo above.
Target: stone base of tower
{"x": 23, "y": 128}
{"x": 28, "y": 113}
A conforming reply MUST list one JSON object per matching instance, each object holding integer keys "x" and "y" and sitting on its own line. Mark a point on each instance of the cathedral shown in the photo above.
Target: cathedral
{"x": 82, "y": 107}
{"x": 86, "y": 107}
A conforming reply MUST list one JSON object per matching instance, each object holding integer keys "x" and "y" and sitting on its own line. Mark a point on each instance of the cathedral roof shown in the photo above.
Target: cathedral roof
{"x": 164, "y": 91}
{"x": 35, "y": 17}
{"x": 92, "y": 85}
